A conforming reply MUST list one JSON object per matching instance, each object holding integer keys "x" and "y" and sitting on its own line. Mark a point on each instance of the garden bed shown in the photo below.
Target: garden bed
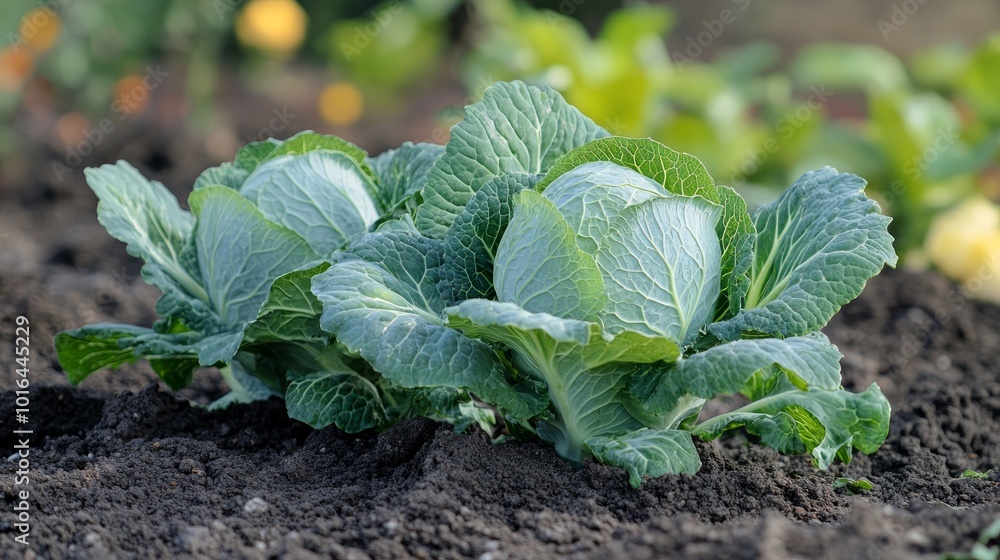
{"x": 123, "y": 469}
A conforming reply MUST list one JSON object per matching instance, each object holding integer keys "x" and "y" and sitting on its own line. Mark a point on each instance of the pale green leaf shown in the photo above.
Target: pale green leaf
{"x": 291, "y": 311}
{"x": 323, "y": 196}
{"x": 592, "y": 195}
{"x": 828, "y": 424}
{"x": 810, "y": 361}
{"x": 389, "y": 312}
{"x": 583, "y": 368}
{"x": 241, "y": 253}
{"x": 539, "y": 266}
{"x": 146, "y": 217}
{"x": 661, "y": 261}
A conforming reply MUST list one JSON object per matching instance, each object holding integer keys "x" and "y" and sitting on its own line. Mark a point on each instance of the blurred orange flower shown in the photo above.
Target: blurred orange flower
{"x": 15, "y": 65}
{"x": 130, "y": 94}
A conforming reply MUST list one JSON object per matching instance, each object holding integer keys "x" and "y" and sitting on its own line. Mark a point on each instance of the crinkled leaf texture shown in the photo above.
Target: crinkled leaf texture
{"x": 564, "y": 277}
{"x": 215, "y": 269}
{"x": 344, "y": 398}
{"x": 798, "y": 405}
{"x": 516, "y": 128}
{"x": 816, "y": 247}
{"x": 647, "y": 452}
{"x": 382, "y": 300}
{"x": 85, "y": 350}
{"x": 471, "y": 244}
{"x": 810, "y": 362}
{"x": 403, "y": 172}
{"x": 826, "y": 424}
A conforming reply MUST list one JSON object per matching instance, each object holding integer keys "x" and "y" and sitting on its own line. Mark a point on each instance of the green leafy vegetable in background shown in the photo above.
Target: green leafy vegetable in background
{"x": 534, "y": 276}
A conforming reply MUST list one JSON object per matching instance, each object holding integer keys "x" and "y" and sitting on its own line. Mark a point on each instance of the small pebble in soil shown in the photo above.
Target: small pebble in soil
{"x": 391, "y": 526}
{"x": 255, "y": 505}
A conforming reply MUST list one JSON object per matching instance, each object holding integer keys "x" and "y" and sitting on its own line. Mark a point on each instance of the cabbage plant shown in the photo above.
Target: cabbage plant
{"x": 536, "y": 277}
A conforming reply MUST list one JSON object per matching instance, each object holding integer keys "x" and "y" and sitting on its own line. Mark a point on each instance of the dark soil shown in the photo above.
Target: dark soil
{"x": 120, "y": 468}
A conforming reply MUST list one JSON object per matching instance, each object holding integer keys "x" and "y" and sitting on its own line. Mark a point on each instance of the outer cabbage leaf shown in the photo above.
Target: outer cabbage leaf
{"x": 539, "y": 266}
{"x": 240, "y": 254}
{"x": 244, "y": 386}
{"x": 87, "y": 349}
{"x": 582, "y": 367}
{"x": 816, "y": 246}
{"x": 827, "y": 424}
{"x": 677, "y": 172}
{"x": 516, "y": 128}
{"x": 253, "y": 154}
{"x": 402, "y": 173}
{"x": 291, "y": 311}
{"x": 309, "y": 141}
{"x": 472, "y": 241}
{"x": 388, "y": 310}
{"x": 343, "y": 398}
{"x": 227, "y": 175}
{"x": 146, "y": 217}
{"x": 810, "y": 362}
{"x": 661, "y": 261}
{"x": 646, "y": 452}
{"x": 321, "y": 195}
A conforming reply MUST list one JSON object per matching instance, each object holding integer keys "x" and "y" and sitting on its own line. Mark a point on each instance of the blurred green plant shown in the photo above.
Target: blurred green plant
{"x": 386, "y": 53}
{"x": 75, "y": 59}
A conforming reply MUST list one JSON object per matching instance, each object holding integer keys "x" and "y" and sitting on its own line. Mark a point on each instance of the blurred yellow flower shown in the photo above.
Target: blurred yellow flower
{"x": 14, "y": 68}
{"x": 40, "y": 29}
{"x": 964, "y": 243}
{"x": 275, "y": 26}
{"x": 341, "y": 104}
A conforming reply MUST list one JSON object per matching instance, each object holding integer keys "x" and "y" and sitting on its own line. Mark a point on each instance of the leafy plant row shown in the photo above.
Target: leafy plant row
{"x": 536, "y": 277}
